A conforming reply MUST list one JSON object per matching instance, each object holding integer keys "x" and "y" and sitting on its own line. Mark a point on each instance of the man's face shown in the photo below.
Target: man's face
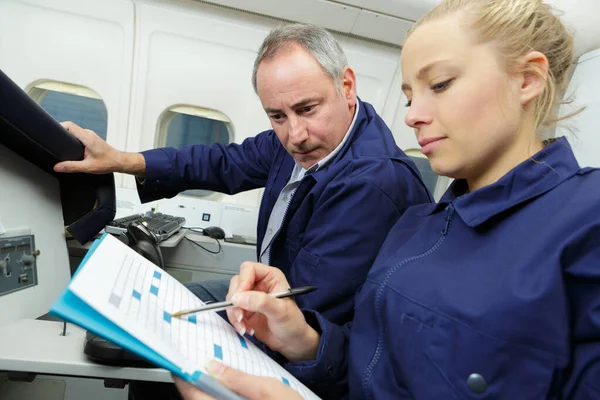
{"x": 306, "y": 110}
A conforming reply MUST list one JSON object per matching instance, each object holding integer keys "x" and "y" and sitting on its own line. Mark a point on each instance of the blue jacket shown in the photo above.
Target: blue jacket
{"x": 491, "y": 294}
{"x": 338, "y": 217}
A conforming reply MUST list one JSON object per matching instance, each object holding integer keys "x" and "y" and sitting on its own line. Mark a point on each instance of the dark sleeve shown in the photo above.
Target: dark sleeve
{"x": 582, "y": 271}
{"x": 227, "y": 169}
{"x": 327, "y": 375}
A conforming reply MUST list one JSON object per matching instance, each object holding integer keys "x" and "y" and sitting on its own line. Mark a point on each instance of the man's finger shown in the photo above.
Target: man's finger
{"x": 84, "y": 135}
{"x": 68, "y": 124}
{"x": 70, "y": 166}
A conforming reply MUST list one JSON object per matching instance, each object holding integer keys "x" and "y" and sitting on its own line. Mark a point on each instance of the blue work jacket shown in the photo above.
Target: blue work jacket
{"x": 338, "y": 217}
{"x": 493, "y": 294}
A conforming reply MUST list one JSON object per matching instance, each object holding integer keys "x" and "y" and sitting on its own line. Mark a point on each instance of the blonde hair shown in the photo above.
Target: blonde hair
{"x": 518, "y": 27}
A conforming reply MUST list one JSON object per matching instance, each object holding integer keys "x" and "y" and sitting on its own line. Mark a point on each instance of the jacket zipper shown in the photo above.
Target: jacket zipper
{"x": 378, "y": 297}
{"x": 282, "y": 222}
{"x": 279, "y": 230}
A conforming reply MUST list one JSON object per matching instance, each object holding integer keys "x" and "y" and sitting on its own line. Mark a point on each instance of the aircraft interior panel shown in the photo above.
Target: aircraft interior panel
{"x": 37, "y": 212}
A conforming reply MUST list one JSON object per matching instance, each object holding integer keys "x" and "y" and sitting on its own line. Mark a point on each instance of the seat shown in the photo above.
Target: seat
{"x": 88, "y": 201}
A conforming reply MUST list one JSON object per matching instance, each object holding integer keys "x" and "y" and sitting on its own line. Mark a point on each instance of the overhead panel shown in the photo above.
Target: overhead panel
{"x": 381, "y": 27}
{"x": 406, "y": 9}
{"x": 383, "y": 20}
{"x": 330, "y": 15}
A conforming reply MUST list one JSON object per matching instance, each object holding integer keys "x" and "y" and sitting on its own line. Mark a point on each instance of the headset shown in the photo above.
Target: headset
{"x": 143, "y": 241}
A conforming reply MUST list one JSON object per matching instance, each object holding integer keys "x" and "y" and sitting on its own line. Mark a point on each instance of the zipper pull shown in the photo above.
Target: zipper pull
{"x": 449, "y": 215}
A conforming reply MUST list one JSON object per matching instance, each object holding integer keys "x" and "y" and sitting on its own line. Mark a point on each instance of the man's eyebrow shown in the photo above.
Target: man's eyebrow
{"x": 424, "y": 71}
{"x": 304, "y": 102}
{"x": 298, "y": 104}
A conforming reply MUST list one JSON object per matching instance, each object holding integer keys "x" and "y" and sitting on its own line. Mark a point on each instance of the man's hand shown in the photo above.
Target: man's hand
{"x": 278, "y": 323}
{"x": 249, "y": 386}
{"x": 100, "y": 157}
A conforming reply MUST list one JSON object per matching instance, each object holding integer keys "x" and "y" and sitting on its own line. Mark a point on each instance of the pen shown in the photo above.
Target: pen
{"x": 222, "y": 305}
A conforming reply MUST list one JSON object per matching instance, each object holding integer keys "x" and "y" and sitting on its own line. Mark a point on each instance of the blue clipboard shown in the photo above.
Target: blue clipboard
{"x": 71, "y": 308}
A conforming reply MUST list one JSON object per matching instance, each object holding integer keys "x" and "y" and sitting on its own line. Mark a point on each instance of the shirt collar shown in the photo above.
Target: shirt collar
{"x": 299, "y": 172}
{"x": 544, "y": 171}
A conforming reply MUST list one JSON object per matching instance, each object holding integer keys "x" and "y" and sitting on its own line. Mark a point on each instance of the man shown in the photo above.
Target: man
{"x": 335, "y": 181}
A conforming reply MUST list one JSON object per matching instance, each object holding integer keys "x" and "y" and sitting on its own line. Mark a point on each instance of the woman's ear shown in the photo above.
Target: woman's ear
{"x": 535, "y": 75}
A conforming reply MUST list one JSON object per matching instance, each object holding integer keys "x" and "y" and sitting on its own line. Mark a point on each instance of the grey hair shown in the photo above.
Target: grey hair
{"x": 317, "y": 41}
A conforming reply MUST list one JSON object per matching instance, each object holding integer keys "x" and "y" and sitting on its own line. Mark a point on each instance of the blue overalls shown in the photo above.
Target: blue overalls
{"x": 490, "y": 294}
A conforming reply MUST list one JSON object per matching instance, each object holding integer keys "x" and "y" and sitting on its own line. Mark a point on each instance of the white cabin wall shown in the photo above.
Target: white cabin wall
{"x": 193, "y": 54}
{"x": 82, "y": 42}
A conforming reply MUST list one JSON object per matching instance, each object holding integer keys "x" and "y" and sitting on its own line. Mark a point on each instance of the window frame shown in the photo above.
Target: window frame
{"x": 39, "y": 89}
{"x": 162, "y": 127}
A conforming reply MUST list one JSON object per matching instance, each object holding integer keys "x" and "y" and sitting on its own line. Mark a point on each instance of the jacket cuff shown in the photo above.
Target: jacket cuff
{"x": 326, "y": 367}
{"x": 158, "y": 175}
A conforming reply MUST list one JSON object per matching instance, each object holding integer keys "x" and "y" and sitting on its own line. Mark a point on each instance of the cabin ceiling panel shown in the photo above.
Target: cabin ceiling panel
{"x": 330, "y": 15}
{"x": 405, "y": 9}
{"x": 381, "y": 27}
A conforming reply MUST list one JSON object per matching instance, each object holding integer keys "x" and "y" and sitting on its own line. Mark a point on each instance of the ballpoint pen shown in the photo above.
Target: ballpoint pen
{"x": 222, "y": 305}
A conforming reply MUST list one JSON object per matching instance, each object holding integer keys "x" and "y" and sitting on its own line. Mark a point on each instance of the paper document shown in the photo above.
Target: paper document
{"x": 139, "y": 297}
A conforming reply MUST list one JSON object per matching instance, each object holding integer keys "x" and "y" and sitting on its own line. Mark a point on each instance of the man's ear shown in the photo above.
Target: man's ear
{"x": 535, "y": 75}
{"x": 349, "y": 86}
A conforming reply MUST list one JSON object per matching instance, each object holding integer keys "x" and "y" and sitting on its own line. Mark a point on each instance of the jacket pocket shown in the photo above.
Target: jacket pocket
{"x": 478, "y": 366}
{"x": 438, "y": 357}
{"x": 304, "y": 266}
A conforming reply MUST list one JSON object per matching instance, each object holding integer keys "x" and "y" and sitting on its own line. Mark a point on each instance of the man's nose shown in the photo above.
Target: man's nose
{"x": 298, "y": 131}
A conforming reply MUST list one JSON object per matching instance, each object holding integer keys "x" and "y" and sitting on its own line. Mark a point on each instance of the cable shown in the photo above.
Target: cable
{"x": 193, "y": 229}
{"x": 204, "y": 248}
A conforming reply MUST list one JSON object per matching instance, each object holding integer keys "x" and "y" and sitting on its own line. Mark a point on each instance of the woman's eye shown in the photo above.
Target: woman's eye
{"x": 440, "y": 87}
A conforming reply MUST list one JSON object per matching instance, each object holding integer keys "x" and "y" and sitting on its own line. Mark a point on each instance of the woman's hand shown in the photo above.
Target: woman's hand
{"x": 249, "y": 386}
{"x": 278, "y": 323}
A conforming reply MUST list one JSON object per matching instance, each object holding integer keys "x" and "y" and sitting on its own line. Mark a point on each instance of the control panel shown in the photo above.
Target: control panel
{"x": 18, "y": 268}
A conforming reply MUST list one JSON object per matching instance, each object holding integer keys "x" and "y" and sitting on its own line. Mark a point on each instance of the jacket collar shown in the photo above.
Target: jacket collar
{"x": 539, "y": 174}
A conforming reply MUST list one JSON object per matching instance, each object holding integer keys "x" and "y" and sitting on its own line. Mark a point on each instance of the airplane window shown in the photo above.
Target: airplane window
{"x": 66, "y": 102}
{"x": 429, "y": 177}
{"x": 182, "y": 126}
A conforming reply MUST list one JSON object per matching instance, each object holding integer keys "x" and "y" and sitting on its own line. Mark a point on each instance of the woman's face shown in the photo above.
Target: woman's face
{"x": 464, "y": 107}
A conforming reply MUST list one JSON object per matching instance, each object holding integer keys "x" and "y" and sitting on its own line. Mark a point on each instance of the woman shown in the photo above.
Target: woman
{"x": 495, "y": 291}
